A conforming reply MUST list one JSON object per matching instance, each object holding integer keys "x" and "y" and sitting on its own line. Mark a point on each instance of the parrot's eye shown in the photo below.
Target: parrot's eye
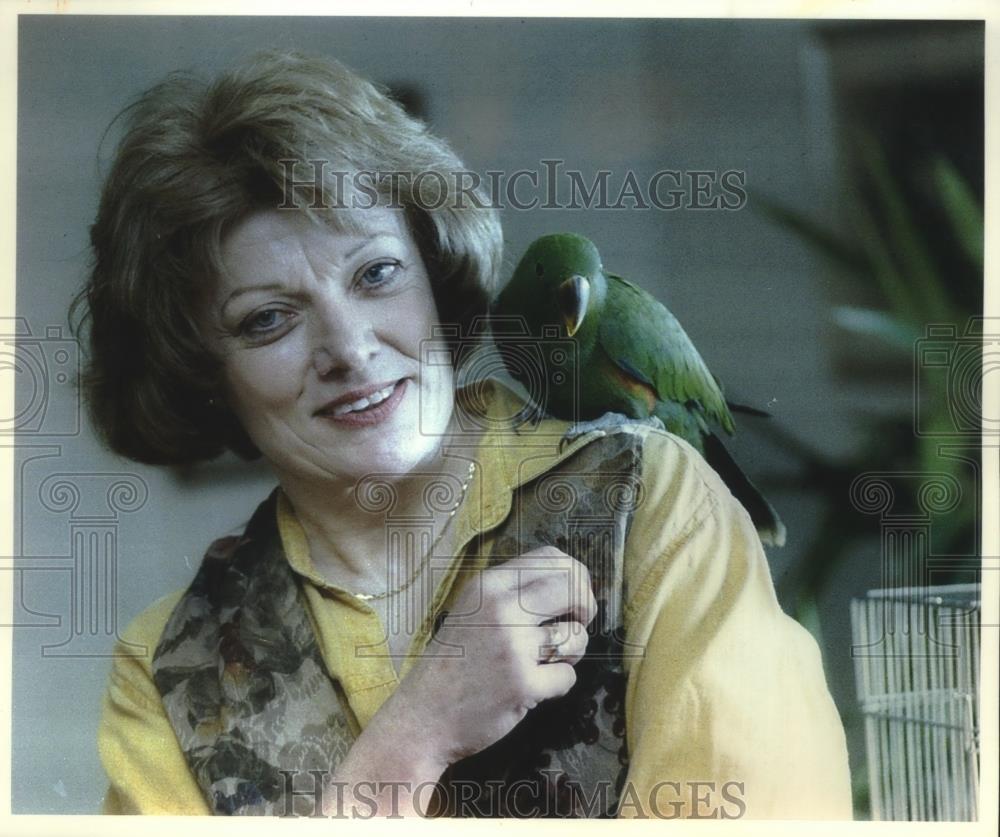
{"x": 539, "y": 270}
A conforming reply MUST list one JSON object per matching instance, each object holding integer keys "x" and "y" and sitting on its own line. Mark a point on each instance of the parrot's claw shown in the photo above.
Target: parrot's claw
{"x": 654, "y": 422}
{"x": 607, "y": 422}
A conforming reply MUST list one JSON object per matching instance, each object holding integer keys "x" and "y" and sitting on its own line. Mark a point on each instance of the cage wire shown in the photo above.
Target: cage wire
{"x": 916, "y": 658}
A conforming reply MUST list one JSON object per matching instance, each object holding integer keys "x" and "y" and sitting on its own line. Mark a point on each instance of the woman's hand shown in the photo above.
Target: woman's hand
{"x": 510, "y": 641}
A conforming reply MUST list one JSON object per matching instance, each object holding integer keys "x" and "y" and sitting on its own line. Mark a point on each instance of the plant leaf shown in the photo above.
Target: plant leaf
{"x": 869, "y": 322}
{"x": 904, "y": 239}
{"x": 835, "y": 249}
{"x": 894, "y": 288}
{"x": 961, "y": 207}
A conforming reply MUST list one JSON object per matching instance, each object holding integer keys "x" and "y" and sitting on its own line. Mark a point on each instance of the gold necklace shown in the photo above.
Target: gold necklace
{"x": 370, "y": 597}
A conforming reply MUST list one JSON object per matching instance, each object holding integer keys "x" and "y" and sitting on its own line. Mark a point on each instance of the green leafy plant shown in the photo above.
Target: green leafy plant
{"x": 889, "y": 254}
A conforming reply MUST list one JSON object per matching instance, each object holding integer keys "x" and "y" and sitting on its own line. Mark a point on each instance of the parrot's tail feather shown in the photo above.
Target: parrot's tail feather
{"x": 769, "y": 526}
{"x": 747, "y": 410}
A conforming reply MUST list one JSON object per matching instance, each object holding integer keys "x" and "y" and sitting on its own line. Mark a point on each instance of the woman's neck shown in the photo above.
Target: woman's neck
{"x": 345, "y": 523}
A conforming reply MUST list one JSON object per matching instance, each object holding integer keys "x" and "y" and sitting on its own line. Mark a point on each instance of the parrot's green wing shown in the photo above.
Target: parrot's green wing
{"x": 645, "y": 340}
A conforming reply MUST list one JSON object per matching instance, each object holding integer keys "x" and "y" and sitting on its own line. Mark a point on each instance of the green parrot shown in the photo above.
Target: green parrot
{"x": 599, "y": 350}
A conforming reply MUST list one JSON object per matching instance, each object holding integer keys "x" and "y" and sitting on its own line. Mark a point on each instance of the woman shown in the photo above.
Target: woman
{"x": 435, "y": 612}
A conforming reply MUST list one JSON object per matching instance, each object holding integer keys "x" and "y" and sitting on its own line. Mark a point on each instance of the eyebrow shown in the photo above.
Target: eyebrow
{"x": 274, "y": 286}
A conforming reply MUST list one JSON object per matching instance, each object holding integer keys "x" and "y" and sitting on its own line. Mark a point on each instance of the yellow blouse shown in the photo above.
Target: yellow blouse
{"x": 727, "y": 711}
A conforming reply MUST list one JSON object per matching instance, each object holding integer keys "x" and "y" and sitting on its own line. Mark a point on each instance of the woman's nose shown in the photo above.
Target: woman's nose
{"x": 343, "y": 340}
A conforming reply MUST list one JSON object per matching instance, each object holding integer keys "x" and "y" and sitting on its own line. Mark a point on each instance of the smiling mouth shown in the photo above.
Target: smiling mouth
{"x": 365, "y": 402}
{"x": 370, "y": 409}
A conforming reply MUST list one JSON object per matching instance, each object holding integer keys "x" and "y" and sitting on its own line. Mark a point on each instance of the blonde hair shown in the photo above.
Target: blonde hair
{"x": 195, "y": 159}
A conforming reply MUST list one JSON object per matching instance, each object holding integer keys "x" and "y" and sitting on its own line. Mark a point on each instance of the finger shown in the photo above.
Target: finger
{"x": 546, "y": 583}
{"x": 550, "y": 681}
{"x": 563, "y": 590}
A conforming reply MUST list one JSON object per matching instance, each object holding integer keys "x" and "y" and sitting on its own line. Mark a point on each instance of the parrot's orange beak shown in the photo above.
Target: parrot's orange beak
{"x": 573, "y": 296}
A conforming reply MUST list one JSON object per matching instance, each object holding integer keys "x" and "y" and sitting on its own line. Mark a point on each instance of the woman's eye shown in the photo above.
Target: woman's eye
{"x": 380, "y": 273}
{"x": 264, "y": 322}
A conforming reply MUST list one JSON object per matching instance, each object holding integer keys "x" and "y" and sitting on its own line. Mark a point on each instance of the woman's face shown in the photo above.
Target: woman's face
{"x": 320, "y": 334}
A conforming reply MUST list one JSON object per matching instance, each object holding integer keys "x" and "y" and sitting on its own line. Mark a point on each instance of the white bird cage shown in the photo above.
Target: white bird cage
{"x": 916, "y": 655}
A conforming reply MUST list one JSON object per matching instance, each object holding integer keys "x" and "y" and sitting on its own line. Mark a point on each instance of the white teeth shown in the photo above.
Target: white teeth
{"x": 367, "y": 401}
